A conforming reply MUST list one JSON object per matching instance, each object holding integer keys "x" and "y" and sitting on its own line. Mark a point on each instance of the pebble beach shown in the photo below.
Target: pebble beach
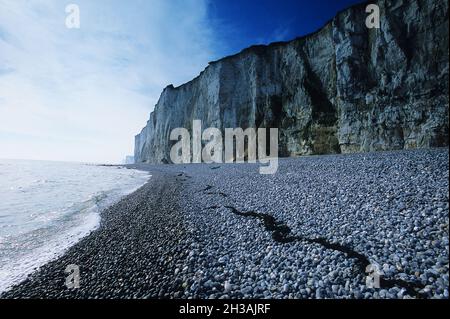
{"x": 223, "y": 231}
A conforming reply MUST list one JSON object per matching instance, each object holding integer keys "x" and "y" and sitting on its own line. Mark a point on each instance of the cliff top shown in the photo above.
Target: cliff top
{"x": 262, "y": 48}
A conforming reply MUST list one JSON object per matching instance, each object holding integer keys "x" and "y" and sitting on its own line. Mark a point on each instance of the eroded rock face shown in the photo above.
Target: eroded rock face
{"x": 345, "y": 88}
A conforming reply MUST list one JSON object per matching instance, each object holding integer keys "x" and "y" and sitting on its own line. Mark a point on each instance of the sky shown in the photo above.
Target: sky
{"x": 82, "y": 94}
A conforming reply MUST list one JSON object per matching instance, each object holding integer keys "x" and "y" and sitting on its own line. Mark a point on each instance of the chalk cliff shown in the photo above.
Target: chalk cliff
{"x": 345, "y": 88}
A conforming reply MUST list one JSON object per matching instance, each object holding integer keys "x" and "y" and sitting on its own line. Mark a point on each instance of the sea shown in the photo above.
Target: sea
{"x": 46, "y": 207}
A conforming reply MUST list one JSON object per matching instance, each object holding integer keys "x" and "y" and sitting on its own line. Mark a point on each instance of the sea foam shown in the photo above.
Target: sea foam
{"x": 46, "y": 207}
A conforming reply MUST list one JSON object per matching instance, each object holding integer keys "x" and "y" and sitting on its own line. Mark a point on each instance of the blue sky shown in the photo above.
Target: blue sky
{"x": 245, "y": 22}
{"x": 82, "y": 94}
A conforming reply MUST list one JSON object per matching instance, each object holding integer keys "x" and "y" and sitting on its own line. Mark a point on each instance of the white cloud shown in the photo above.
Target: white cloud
{"x": 82, "y": 94}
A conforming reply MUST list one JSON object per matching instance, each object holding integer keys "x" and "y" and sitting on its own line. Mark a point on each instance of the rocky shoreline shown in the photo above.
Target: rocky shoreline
{"x": 225, "y": 231}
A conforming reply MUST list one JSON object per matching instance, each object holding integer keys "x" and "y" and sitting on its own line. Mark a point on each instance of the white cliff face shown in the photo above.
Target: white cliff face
{"x": 345, "y": 88}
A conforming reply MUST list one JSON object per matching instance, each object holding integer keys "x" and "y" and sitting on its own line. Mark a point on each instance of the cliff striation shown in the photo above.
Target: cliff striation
{"x": 345, "y": 88}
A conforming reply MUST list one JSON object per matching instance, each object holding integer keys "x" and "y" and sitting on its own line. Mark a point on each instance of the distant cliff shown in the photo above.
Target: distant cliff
{"x": 342, "y": 89}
